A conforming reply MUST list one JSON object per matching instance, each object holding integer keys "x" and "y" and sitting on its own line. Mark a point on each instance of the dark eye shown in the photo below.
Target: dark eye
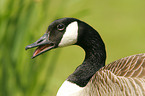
{"x": 60, "y": 27}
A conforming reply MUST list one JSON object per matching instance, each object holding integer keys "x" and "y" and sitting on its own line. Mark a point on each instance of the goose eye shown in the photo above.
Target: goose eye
{"x": 60, "y": 27}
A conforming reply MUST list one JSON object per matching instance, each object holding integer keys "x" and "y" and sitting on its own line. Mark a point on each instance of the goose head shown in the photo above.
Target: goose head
{"x": 60, "y": 33}
{"x": 65, "y": 32}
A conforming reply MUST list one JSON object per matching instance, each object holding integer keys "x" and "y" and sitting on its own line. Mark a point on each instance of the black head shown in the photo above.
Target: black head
{"x": 63, "y": 32}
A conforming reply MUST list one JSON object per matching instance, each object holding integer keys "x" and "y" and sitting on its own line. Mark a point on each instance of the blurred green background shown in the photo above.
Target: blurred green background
{"x": 121, "y": 23}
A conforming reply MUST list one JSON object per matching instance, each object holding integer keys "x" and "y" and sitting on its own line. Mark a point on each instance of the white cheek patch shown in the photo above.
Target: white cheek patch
{"x": 70, "y": 36}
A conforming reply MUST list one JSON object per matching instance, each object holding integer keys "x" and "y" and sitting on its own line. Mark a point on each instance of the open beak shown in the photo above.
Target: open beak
{"x": 43, "y": 45}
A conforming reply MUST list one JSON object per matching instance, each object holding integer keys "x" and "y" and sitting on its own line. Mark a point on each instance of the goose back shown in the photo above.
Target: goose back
{"x": 124, "y": 77}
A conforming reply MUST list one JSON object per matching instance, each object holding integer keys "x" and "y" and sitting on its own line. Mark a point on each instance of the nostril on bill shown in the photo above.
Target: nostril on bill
{"x": 39, "y": 41}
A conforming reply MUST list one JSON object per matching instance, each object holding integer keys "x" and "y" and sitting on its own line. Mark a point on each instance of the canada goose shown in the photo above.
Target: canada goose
{"x": 124, "y": 77}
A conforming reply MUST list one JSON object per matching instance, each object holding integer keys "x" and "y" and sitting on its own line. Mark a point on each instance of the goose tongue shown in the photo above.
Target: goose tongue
{"x": 41, "y": 49}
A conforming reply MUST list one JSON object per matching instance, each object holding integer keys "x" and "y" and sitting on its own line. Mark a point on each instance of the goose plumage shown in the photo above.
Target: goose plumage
{"x": 124, "y": 77}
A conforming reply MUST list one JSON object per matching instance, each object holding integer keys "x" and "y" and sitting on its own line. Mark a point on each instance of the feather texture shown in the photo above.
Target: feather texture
{"x": 124, "y": 77}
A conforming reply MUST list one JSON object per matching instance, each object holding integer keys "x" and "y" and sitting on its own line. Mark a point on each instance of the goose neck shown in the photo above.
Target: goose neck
{"x": 94, "y": 59}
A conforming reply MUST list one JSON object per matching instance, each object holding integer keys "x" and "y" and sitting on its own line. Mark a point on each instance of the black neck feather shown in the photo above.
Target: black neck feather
{"x": 91, "y": 42}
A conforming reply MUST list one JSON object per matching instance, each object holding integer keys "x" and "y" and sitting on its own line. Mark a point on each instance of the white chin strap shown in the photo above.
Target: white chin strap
{"x": 70, "y": 36}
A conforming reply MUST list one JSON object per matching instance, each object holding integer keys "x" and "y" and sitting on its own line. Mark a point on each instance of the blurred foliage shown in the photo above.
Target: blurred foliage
{"x": 120, "y": 23}
{"x": 20, "y": 21}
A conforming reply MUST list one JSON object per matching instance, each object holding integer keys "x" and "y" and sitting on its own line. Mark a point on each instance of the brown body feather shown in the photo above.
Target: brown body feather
{"x": 124, "y": 77}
